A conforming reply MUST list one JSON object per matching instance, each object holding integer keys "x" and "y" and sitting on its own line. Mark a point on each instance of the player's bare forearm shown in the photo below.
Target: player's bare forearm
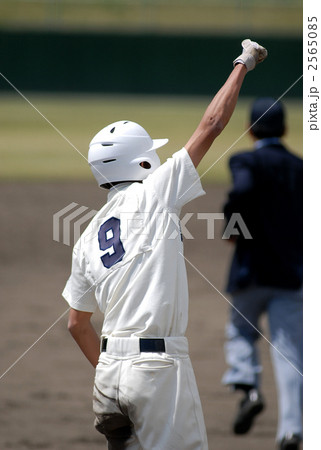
{"x": 216, "y": 116}
{"x": 83, "y": 332}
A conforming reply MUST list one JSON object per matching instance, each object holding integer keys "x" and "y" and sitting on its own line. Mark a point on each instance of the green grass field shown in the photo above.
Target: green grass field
{"x": 199, "y": 16}
{"x": 32, "y": 150}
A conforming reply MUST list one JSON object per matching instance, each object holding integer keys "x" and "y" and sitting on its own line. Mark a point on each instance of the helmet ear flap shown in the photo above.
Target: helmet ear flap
{"x": 145, "y": 165}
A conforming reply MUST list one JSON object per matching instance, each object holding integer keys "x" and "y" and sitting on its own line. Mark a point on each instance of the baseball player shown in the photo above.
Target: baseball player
{"x": 129, "y": 262}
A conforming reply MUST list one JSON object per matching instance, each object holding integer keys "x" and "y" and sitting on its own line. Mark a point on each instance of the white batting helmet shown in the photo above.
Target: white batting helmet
{"x": 123, "y": 151}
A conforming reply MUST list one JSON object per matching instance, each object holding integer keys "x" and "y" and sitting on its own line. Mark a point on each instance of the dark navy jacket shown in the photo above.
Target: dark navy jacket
{"x": 268, "y": 193}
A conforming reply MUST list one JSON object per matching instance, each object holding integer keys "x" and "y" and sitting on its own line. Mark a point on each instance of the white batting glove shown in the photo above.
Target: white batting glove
{"x": 252, "y": 54}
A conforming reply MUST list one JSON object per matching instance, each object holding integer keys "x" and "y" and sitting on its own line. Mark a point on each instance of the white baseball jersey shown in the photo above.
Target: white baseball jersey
{"x": 130, "y": 260}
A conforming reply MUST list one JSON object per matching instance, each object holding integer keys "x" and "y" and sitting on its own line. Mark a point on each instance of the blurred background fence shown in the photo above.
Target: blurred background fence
{"x": 146, "y": 46}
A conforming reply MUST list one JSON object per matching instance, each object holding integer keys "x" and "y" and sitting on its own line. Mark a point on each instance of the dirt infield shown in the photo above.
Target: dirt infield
{"x": 46, "y": 397}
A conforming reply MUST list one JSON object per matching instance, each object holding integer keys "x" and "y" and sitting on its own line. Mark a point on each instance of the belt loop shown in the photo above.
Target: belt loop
{"x": 103, "y": 345}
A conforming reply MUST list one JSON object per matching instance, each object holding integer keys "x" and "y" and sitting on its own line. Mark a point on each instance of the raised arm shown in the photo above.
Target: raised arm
{"x": 221, "y": 108}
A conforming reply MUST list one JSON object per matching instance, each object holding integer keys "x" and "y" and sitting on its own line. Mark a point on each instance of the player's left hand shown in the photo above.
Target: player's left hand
{"x": 252, "y": 54}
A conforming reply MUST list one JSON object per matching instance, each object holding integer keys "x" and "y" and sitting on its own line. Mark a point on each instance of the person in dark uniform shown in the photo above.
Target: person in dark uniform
{"x": 266, "y": 273}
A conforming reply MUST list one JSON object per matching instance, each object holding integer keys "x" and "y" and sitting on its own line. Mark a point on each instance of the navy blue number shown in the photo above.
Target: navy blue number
{"x": 109, "y": 239}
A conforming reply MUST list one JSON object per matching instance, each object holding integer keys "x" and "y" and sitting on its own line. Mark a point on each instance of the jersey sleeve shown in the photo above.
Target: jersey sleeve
{"x": 176, "y": 182}
{"x": 79, "y": 290}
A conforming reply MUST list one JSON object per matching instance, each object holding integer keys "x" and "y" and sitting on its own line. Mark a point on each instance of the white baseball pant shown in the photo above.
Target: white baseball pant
{"x": 148, "y": 399}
